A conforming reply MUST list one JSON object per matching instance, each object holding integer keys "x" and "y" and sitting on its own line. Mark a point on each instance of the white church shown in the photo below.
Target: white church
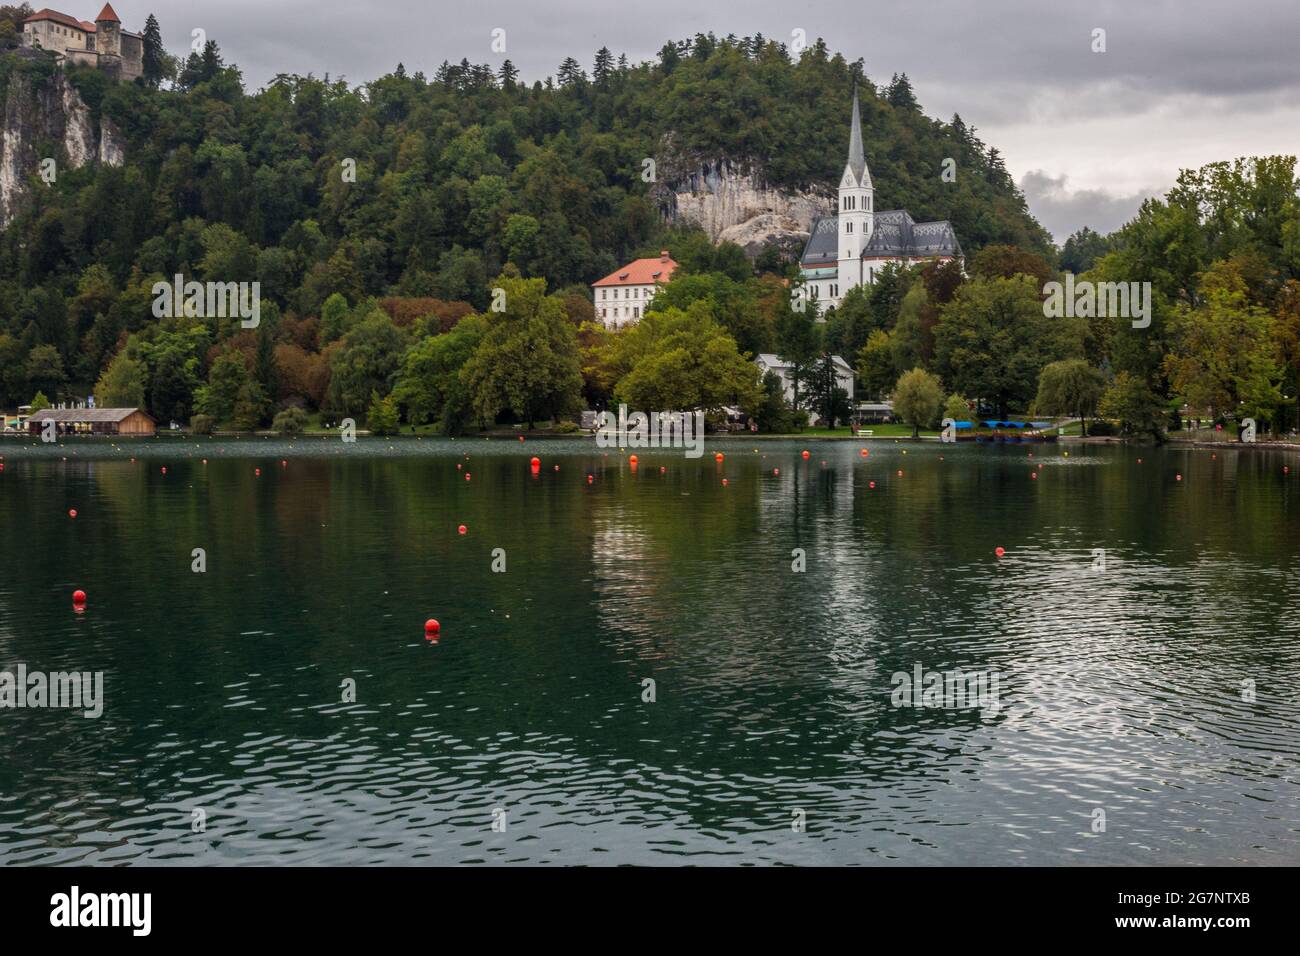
{"x": 849, "y": 249}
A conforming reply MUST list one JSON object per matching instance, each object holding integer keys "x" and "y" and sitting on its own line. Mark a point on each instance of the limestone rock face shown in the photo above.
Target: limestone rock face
{"x": 48, "y": 111}
{"x": 733, "y": 204}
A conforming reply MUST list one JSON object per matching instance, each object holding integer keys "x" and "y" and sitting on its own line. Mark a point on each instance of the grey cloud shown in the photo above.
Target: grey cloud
{"x": 1063, "y": 211}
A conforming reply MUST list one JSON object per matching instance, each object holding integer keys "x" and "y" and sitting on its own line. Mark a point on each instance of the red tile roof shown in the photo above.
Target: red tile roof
{"x": 641, "y": 272}
{"x": 107, "y": 14}
{"x": 63, "y": 18}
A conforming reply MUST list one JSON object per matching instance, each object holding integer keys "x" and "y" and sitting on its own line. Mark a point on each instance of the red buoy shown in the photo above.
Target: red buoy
{"x": 536, "y": 462}
{"x": 724, "y": 482}
{"x": 467, "y": 476}
{"x": 900, "y": 473}
{"x": 431, "y": 626}
{"x": 78, "y": 597}
{"x": 776, "y": 471}
{"x": 718, "y": 457}
{"x": 663, "y": 470}
{"x": 72, "y": 512}
{"x": 590, "y": 479}
{"x": 557, "y": 467}
{"x": 462, "y": 529}
{"x": 458, "y": 466}
{"x": 863, "y": 453}
{"x": 999, "y": 551}
{"x": 806, "y": 456}
{"x": 871, "y": 484}
{"x": 632, "y": 460}
{"x": 521, "y": 437}
{"x": 164, "y": 469}
{"x": 1178, "y": 477}
{"x": 284, "y": 463}
{"x": 1034, "y": 475}
{"x": 257, "y": 472}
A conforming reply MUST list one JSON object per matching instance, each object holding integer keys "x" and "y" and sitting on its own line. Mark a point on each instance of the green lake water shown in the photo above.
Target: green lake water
{"x": 1147, "y": 707}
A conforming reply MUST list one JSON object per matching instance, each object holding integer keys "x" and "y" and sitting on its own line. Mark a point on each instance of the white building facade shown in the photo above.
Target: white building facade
{"x": 621, "y": 297}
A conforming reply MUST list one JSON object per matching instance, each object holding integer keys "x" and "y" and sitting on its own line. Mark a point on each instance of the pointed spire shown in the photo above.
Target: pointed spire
{"x": 857, "y": 159}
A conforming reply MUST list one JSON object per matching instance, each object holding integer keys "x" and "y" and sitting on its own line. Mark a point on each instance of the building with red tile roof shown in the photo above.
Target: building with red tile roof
{"x": 622, "y": 296}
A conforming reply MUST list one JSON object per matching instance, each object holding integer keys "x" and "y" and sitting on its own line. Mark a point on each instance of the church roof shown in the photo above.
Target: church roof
{"x": 897, "y": 234}
{"x": 857, "y": 158}
{"x": 823, "y": 247}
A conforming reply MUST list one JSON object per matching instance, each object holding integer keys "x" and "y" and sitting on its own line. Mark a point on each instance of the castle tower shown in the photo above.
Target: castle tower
{"x": 856, "y": 215}
{"x": 108, "y": 32}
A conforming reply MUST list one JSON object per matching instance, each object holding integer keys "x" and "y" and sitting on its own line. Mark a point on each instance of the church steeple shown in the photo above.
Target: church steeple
{"x": 857, "y": 159}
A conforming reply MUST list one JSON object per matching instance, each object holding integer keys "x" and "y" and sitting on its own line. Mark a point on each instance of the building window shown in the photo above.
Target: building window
{"x": 848, "y": 227}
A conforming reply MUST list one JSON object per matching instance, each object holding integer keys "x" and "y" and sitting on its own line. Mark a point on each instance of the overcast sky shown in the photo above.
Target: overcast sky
{"x": 1087, "y": 135}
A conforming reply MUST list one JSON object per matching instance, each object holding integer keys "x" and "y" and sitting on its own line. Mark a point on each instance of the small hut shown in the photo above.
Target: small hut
{"x": 94, "y": 421}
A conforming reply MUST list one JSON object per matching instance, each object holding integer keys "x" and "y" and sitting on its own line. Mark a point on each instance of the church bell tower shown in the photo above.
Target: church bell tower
{"x": 856, "y": 212}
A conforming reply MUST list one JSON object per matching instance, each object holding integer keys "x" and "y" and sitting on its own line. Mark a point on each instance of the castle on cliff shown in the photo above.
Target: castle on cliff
{"x": 102, "y": 44}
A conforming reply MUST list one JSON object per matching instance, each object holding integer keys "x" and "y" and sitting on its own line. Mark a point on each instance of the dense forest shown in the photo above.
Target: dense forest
{"x": 424, "y": 248}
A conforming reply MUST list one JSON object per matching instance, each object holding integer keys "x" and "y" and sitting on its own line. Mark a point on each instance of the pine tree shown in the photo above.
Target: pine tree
{"x": 154, "y": 58}
{"x": 899, "y": 94}
{"x": 603, "y": 67}
{"x": 507, "y": 74}
{"x": 570, "y": 72}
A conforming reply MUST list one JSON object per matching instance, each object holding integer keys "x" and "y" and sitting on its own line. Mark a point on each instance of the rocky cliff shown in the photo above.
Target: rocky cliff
{"x": 734, "y": 204}
{"x": 46, "y": 118}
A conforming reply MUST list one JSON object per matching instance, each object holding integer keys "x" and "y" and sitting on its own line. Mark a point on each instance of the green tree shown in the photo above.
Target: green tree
{"x": 918, "y": 398}
{"x": 992, "y": 340}
{"x": 1069, "y": 387}
{"x": 684, "y": 360}
{"x": 45, "y": 370}
{"x": 228, "y": 380}
{"x": 429, "y": 385}
{"x": 123, "y": 383}
{"x": 527, "y": 361}
{"x": 368, "y": 361}
{"x": 381, "y": 417}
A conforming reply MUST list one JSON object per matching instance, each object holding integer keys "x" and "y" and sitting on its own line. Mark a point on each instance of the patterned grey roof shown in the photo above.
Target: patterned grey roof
{"x": 823, "y": 243}
{"x": 895, "y": 234}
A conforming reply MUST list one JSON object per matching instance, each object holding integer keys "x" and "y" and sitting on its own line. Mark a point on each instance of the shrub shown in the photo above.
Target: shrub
{"x": 1100, "y": 428}
{"x": 291, "y": 421}
{"x": 202, "y": 424}
{"x": 566, "y": 428}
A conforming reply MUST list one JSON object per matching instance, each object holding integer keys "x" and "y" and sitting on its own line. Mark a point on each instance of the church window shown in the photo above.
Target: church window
{"x": 848, "y": 227}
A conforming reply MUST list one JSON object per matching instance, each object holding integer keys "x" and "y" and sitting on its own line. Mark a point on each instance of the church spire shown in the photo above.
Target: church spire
{"x": 857, "y": 160}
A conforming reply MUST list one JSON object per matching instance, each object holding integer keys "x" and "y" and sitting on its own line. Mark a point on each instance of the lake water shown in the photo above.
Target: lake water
{"x": 1146, "y": 707}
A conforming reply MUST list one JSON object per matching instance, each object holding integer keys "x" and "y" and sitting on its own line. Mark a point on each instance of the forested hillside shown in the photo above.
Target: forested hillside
{"x": 426, "y": 186}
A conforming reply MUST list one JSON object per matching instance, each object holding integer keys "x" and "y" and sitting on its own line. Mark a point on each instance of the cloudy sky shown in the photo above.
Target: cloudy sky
{"x": 1087, "y": 135}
